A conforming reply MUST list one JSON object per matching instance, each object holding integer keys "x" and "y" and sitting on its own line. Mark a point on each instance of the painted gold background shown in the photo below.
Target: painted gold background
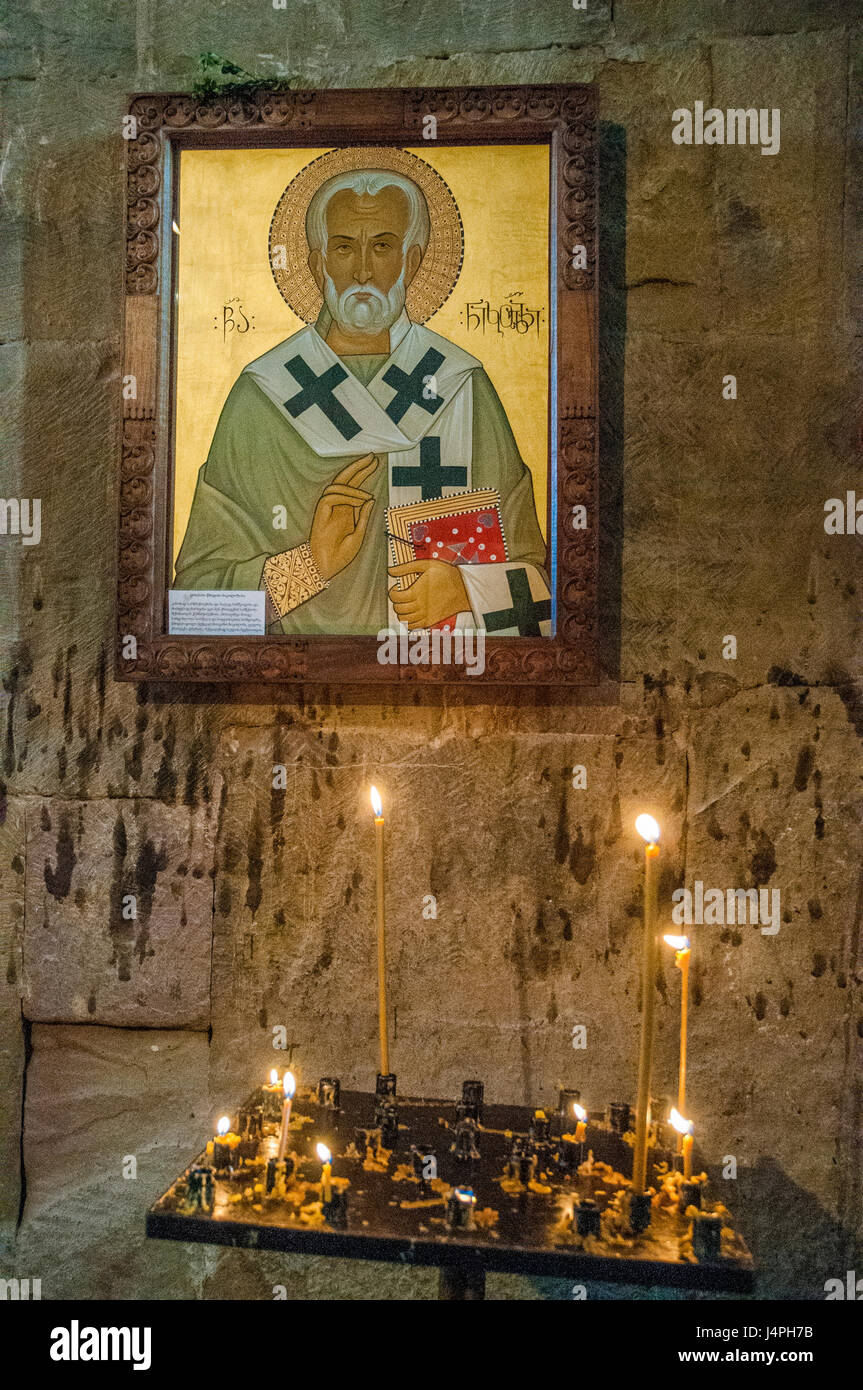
{"x": 227, "y": 198}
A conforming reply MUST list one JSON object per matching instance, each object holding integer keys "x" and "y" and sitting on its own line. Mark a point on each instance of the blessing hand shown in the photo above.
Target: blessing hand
{"x": 341, "y": 517}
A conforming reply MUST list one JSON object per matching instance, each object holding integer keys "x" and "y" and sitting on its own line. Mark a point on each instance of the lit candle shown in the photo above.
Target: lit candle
{"x": 289, "y": 1085}
{"x": 326, "y": 1173}
{"x": 570, "y": 1158}
{"x": 377, "y": 807}
{"x": 648, "y": 829}
{"x": 224, "y": 1145}
{"x": 682, "y": 953}
{"x": 684, "y": 1129}
{"x": 581, "y": 1125}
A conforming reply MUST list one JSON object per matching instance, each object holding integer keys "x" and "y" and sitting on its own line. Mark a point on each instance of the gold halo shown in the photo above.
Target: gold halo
{"x": 440, "y": 267}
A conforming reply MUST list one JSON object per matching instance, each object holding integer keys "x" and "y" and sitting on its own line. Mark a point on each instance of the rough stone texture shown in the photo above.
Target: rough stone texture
{"x": 775, "y": 807}
{"x": 12, "y": 1044}
{"x": 713, "y": 261}
{"x": 119, "y": 902}
{"x": 537, "y": 923}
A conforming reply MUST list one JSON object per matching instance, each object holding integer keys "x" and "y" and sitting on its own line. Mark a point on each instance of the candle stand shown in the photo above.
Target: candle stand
{"x": 428, "y": 1199}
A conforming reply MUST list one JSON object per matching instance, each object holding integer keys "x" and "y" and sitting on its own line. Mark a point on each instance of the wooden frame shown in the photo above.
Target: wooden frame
{"x": 562, "y": 117}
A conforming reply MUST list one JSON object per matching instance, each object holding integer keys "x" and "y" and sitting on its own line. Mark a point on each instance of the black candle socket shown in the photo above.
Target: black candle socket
{"x": 385, "y": 1085}
{"x": 544, "y": 1156}
{"x": 526, "y": 1166}
{"x": 329, "y": 1092}
{"x": 472, "y": 1094}
{"x": 639, "y": 1211}
{"x": 277, "y": 1168}
{"x": 566, "y": 1116}
{"x": 200, "y": 1187}
{"x": 465, "y": 1145}
{"x": 336, "y": 1209}
{"x": 250, "y": 1121}
{"x": 540, "y": 1127}
{"x": 459, "y": 1208}
{"x": 690, "y": 1195}
{"x": 521, "y": 1164}
{"x": 587, "y": 1218}
{"x": 223, "y": 1155}
{"x": 707, "y": 1236}
{"x": 620, "y": 1116}
{"x": 514, "y": 1159}
{"x": 248, "y": 1147}
{"x": 361, "y": 1141}
{"x": 270, "y": 1180}
{"x": 569, "y": 1155}
{"x": 272, "y": 1103}
{"x": 387, "y": 1119}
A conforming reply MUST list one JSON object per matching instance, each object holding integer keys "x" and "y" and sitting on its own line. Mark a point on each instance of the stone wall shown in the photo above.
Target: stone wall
{"x": 123, "y": 1038}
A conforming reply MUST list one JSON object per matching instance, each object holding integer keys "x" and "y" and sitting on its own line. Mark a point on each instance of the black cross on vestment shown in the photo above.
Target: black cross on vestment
{"x": 429, "y": 474}
{"x": 318, "y": 390}
{"x": 409, "y": 386}
{"x": 526, "y": 613}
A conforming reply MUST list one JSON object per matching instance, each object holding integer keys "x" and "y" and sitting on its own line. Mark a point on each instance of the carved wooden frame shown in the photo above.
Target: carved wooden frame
{"x": 565, "y": 118}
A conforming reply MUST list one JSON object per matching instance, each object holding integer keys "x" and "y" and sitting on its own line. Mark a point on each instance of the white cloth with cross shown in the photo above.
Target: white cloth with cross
{"x": 417, "y": 411}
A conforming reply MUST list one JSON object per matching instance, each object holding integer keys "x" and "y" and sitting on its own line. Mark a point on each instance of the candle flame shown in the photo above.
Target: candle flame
{"x": 680, "y": 1124}
{"x": 377, "y": 804}
{"x": 648, "y": 829}
{"x": 579, "y": 1111}
{"x": 680, "y": 943}
{"x": 465, "y": 1195}
{"x": 274, "y": 1077}
{"x": 323, "y": 1153}
{"x": 289, "y": 1085}
{"x": 224, "y": 1125}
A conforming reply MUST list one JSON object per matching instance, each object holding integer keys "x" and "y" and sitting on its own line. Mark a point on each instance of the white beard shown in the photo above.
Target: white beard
{"x": 353, "y": 315}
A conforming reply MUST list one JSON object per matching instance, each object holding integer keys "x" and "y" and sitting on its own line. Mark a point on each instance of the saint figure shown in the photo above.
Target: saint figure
{"x": 361, "y": 411}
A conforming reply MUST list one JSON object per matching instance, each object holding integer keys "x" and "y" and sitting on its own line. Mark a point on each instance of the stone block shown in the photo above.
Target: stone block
{"x": 96, "y": 1098}
{"x": 780, "y": 217}
{"x": 677, "y": 20}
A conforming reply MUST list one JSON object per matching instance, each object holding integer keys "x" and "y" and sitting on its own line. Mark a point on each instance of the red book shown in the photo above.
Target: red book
{"x": 463, "y": 530}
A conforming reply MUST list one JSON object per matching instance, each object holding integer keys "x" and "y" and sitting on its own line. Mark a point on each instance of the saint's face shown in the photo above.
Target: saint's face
{"x": 365, "y": 235}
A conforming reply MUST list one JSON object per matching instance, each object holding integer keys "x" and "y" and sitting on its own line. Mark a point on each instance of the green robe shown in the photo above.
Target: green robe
{"x": 257, "y": 462}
